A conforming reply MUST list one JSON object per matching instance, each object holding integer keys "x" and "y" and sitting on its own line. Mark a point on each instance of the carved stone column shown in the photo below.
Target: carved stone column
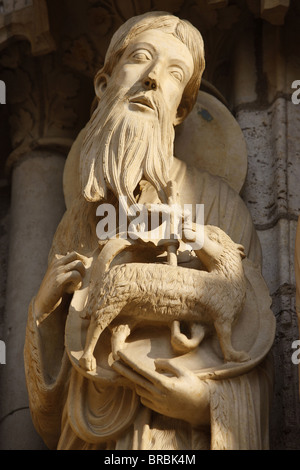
{"x": 297, "y": 277}
{"x": 37, "y": 205}
{"x": 44, "y": 109}
{"x": 266, "y": 63}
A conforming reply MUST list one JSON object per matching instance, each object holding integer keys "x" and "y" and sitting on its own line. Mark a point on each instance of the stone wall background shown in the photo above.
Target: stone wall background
{"x": 271, "y": 126}
{"x": 252, "y": 63}
{"x": 4, "y": 218}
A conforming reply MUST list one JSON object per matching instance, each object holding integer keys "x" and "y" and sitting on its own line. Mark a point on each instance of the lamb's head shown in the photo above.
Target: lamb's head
{"x": 217, "y": 247}
{"x": 215, "y": 234}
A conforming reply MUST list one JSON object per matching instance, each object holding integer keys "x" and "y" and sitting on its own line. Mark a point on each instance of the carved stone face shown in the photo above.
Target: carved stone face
{"x": 131, "y": 133}
{"x": 154, "y": 62}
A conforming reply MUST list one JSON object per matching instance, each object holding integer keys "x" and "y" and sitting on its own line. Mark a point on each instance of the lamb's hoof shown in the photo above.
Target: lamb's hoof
{"x": 88, "y": 363}
{"x": 237, "y": 356}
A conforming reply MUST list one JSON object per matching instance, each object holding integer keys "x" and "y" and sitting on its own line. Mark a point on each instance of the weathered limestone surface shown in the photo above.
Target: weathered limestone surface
{"x": 37, "y": 205}
{"x": 253, "y": 66}
{"x": 108, "y": 310}
{"x": 270, "y": 123}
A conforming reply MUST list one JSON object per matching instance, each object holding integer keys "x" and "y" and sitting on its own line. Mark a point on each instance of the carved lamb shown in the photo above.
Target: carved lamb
{"x": 168, "y": 294}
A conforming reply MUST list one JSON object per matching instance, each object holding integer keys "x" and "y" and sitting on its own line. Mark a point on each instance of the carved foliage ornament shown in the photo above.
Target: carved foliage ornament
{"x": 42, "y": 98}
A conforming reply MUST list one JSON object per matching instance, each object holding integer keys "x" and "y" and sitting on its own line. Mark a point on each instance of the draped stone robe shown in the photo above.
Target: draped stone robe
{"x": 69, "y": 410}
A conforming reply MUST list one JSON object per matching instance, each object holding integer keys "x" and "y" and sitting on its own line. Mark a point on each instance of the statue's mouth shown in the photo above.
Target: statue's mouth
{"x": 143, "y": 101}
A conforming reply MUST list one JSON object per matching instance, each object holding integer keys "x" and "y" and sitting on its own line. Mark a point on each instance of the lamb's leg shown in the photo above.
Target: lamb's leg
{"x": 224, "y": 332}
{"x": 99, "y": 321}
{"x": 180, "y": 343}
{"x": 87, "y": 360}
{"x": 119, "y": 335}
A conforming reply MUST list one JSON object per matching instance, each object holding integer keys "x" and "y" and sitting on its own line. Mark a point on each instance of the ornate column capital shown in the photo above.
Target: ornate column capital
{"x": 44, "y": 102}
{"x": 27, "y": 19}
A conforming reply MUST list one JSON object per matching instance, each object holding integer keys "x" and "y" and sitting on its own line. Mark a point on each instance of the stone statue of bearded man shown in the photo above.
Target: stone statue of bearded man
{"x": 150, "y": 397}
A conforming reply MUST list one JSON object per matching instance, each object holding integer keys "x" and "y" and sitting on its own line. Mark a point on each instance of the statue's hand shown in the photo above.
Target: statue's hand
{"x": 182, "y": 396}
{"x": 64, "y": 275}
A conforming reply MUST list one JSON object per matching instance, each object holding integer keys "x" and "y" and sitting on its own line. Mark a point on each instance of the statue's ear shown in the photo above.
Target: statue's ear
{"x": 100, "y": 83}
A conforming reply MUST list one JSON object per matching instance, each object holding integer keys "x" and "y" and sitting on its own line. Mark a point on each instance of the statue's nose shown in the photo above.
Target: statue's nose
{"x": 150, "y": 82}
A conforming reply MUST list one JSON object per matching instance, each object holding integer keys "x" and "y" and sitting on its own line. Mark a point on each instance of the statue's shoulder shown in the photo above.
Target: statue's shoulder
{"x": 192, "y": 179}
{"x": 76, "y": 230}
{"x": 223, "y": 206}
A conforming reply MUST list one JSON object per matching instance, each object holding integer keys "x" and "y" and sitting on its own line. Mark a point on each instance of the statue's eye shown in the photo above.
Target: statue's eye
{"x": 177, "y": 74}
{"x": 141, "y": 55}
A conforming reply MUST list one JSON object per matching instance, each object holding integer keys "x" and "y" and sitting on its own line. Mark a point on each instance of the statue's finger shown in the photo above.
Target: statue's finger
{"x": 164, "y": 365}
{"x": 72, "y": 281}
{"x": 149, "y": 392}
{"x": 133, "y": 376}
{"x": 153, "y": 377}
{"x": 75, "y": 265}
{"x": 69, "y": 257}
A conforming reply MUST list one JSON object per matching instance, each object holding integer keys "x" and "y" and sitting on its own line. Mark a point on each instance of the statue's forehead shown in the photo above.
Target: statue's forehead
{"x": 162, "y": 42}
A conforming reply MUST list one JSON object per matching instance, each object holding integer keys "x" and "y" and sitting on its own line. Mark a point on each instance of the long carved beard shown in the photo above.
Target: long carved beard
{"x": 122, "y": 146}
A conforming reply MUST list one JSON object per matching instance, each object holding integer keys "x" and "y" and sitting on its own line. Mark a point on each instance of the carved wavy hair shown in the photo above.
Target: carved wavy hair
{"x": 181, "y": 29}
{"x": 115, "y": 142}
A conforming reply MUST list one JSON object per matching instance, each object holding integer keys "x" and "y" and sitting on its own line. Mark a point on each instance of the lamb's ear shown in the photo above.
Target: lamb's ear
{"x": 241, "y": 250}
